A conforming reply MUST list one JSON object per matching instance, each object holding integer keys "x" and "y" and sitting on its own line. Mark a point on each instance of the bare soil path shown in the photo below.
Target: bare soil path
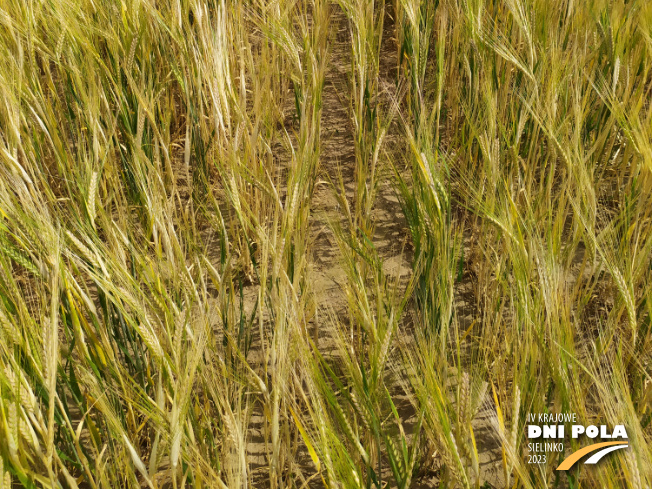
{"x": 337, "y": 162}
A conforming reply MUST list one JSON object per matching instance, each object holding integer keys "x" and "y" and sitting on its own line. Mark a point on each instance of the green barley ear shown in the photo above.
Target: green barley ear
{"x": 464, "y": 403}
{"x": 5, "y": 477}
{"x": 90, "y": 202}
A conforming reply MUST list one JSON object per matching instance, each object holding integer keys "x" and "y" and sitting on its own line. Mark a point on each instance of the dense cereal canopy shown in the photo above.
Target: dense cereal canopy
{"x": 323, "y": 243}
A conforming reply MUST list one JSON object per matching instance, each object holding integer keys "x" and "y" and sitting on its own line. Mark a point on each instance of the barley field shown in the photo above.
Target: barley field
{"x": 323, "y": 243}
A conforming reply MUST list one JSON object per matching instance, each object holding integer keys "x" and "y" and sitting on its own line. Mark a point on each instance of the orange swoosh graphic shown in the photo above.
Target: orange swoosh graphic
{"x": 574, "y": 457}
